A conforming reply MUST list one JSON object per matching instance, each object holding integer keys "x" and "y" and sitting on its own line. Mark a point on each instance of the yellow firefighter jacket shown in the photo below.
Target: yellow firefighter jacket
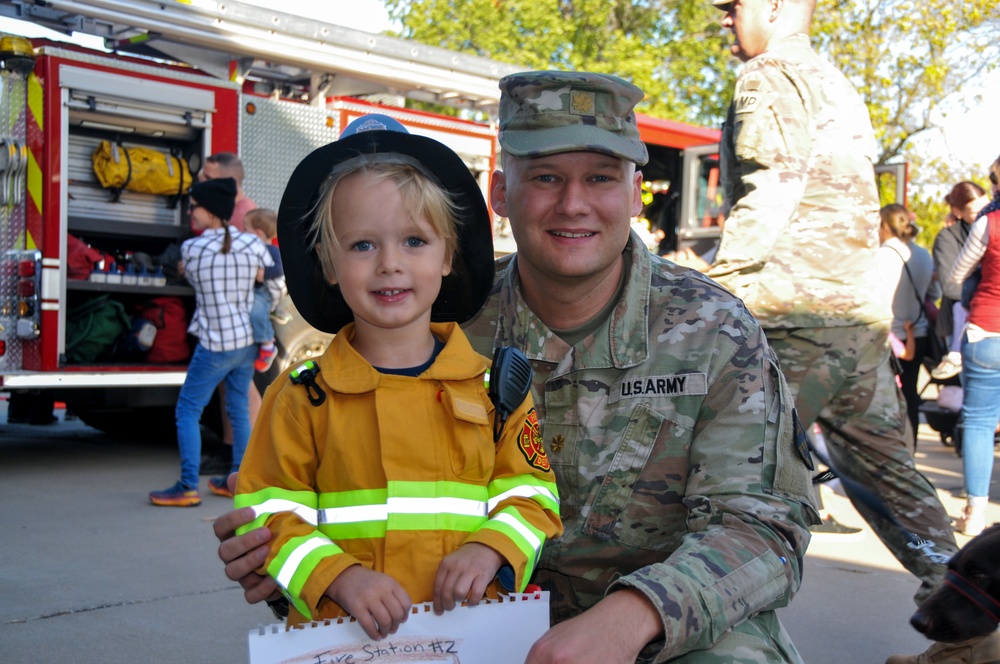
{"x": 393, "y": 472}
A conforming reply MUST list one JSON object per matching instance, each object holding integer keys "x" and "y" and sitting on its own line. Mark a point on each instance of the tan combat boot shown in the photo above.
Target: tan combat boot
{"x": 980, "y": 650}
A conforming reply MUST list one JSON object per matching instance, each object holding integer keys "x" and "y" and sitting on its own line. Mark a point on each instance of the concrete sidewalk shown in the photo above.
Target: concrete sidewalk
{"x": 92, "y": 573}
{"x": 856, "y": 599}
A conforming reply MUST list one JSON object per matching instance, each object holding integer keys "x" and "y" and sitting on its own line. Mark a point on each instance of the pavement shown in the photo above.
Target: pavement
{"x": 91, "y": 572}
{"x": 856, "y": 599}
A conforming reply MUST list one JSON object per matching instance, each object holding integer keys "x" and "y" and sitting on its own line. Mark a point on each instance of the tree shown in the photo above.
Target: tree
{"x": 904, "y": 56}
{"x": 907, "y": 56}
{"x": 674, "y": 50}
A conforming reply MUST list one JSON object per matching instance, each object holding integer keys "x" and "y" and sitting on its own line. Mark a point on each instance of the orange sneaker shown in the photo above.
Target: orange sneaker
{"x": 265, "y": 357}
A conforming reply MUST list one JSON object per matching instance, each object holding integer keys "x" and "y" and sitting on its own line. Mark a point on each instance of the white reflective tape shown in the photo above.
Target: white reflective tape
{"x": 354, "y": 514}
{"x": 529, "y": 536}
{"x": 276, "y": 505}
{"x": 292, "y": 564}
{"x": 524, "y": 491}
{"x": 360, "y": 513}
{"x": 460, "y": 506}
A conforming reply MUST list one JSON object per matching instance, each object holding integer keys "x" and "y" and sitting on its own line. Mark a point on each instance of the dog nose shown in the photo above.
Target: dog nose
{"x": 920, "y": 621}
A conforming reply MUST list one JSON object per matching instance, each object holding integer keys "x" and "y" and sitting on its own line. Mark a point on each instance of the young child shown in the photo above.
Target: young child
{"x": 268, "y": 292}
{"x": 377, "y": 467}
{"x": 222, "y": 265}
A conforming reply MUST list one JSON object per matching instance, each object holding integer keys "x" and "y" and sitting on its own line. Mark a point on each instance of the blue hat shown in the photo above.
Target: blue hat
{"x": 375, "y": 138}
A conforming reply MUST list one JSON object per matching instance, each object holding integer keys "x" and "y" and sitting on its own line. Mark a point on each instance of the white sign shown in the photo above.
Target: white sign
{"x": 495, "y": 632}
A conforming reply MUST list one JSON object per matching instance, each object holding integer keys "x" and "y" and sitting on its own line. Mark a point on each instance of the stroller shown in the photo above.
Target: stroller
{"x": 942, "y": 415}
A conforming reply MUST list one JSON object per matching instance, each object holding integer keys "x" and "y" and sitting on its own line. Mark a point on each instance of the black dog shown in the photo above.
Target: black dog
{"x": 967, "y": 604}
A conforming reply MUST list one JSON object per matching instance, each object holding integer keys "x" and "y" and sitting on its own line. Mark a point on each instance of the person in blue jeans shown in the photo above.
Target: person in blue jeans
{"x": 980, "y": 357}
{"x": 222, "y": 265}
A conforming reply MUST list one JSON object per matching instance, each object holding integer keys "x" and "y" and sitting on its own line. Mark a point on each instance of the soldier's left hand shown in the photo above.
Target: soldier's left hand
{"x": 613, "y": 631}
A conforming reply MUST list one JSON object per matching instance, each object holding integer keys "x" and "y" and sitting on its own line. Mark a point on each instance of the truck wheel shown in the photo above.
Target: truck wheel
{"x": 147, "y": 423}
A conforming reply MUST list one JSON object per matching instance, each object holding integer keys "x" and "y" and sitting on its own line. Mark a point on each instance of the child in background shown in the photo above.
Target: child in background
{"x": 267, "y": 293}
{"x": 381, "y": 468}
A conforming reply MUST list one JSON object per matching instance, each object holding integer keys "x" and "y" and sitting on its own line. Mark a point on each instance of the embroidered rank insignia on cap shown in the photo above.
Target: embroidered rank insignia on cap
{"x": 582, "y": 102}
{"x": 676, "y": 385}
{"x": 529, "y": 440}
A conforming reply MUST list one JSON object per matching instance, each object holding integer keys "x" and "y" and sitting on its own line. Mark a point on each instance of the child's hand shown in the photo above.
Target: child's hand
{"x": 376, "y": 600}
{"x": 908, "y": 326}
{"x": 465, "y": 574}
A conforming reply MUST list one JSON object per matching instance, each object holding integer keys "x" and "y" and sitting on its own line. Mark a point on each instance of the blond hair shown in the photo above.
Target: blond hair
{"x": 421, "y": 196}
{"x": 263, "y": 220}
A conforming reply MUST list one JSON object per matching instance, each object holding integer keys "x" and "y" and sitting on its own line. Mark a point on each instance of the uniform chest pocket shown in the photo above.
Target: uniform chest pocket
{"x": 471, "y": 448}
{"x": 639, "y": 502}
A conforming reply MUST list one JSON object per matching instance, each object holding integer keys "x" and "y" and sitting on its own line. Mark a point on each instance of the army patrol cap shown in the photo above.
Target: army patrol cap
{"x": 548, "y": 112}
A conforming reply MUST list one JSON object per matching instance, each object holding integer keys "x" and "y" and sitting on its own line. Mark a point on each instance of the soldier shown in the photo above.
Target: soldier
{"x": 663, "y": 412}
{"x": 799, "y": 248}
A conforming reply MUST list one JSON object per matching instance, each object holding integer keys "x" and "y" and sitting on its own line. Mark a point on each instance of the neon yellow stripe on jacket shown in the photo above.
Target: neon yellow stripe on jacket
{"x": 525, "y": 536}
{"x": 524, "y": 486}
{"x": 273, "y": 500}
{"x": 295, "y": 562}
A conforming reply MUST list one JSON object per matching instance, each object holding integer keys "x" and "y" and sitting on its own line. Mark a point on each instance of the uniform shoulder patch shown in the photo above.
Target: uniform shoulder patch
{"x": 748, "y": 95}
{"x": 529, "y": 441}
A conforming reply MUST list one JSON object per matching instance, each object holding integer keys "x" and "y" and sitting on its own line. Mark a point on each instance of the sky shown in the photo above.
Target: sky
{"x": 968, "y": 129}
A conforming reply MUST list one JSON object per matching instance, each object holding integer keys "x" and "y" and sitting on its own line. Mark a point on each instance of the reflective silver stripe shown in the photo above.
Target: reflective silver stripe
{"x": 275, "y": 505}
{"x": 524, "y": 491}
{"x": 354, "y": 514}
{"x": 357, "y": 513}
{"x": 529, "y": 536}
{"x": 295, "y": 559}
{"x": 462, "y": 506}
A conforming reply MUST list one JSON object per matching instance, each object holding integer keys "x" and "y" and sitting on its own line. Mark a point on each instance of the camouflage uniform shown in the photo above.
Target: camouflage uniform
{"x": 799, "y": 248}
{"x": 671, "y": 433}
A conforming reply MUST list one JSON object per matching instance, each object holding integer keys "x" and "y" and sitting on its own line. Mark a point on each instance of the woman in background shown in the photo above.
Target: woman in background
{"x": 906, "y": 270}
{"x": 980, "y": 361}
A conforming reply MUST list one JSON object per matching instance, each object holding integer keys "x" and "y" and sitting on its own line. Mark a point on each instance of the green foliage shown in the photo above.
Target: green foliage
{"x": 675, "y": 51}
{"x": 904, "y": 56}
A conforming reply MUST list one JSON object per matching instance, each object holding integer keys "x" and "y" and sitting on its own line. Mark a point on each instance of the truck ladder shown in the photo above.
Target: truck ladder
{"x": 333, "y": 60}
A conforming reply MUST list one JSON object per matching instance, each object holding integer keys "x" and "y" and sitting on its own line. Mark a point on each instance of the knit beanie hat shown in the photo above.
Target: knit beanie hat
{"x": 218, "y": 196}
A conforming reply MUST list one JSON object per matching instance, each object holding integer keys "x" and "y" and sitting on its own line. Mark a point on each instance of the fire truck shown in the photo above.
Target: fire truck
{"x": 190, "y": 78}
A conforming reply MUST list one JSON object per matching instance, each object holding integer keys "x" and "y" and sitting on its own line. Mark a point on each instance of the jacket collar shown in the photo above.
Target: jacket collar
{"x": 345, "y": 371}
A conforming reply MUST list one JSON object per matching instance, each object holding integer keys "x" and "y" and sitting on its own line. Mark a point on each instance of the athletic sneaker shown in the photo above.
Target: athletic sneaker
{"x": 175, "y": 496}
{"x": 949, "y": 367}
{"x": 218, "y": 486}
{"x": 831, "y": 530}
{"x": 265, "y": 357}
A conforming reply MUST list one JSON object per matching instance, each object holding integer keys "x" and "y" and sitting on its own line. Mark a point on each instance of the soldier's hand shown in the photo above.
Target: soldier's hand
{"x": 688, "y": 258}
{"x": 613, "y": 631}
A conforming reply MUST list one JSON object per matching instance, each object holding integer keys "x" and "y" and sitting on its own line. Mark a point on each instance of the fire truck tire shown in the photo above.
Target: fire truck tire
{"x": 148, "y": 423}
{"x": 144, "y": 423}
